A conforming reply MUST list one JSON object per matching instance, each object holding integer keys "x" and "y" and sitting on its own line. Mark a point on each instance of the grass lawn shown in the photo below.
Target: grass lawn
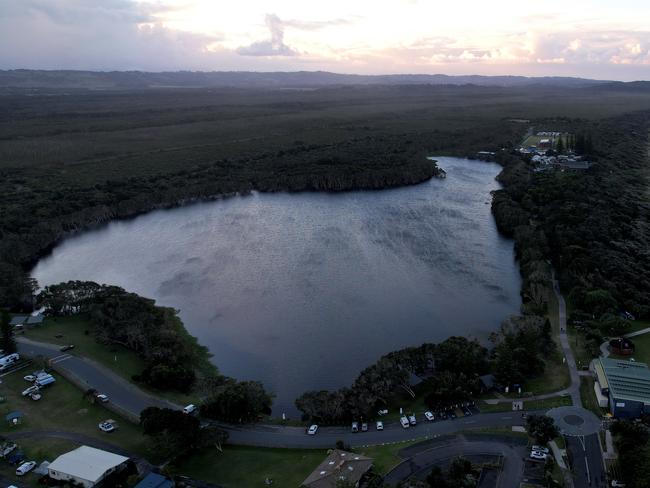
{"x": 62, "y": 408}
{"x": 244, "y": 467}
{"x": 78, "y": 331}
{"x": 42, "y": 449}
{"x": 588, "y": 396}
{"x": 385, "y": 457}
{"x": 578, "y": 345}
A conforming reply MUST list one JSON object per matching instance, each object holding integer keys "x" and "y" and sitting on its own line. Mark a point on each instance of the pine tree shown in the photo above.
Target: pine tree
{"x": 560, "y": 145}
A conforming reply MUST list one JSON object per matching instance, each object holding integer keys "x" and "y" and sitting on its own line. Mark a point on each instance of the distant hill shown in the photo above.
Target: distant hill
{"x": 115, "y": 80}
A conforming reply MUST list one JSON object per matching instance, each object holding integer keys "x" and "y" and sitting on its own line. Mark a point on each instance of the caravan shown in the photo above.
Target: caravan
{"x": 8, "y": 360}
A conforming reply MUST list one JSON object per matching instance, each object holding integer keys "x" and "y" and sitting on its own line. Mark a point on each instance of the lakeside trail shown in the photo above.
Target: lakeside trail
{"x": 573, "y": 390}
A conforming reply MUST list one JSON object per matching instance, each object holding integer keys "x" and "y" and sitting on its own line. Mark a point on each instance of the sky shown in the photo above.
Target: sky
{"x": 605, "y": 39}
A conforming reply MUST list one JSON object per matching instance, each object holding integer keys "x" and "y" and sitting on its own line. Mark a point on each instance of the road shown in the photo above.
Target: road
{"x": 586, "y": 461}
{"x": 129, "y": 399}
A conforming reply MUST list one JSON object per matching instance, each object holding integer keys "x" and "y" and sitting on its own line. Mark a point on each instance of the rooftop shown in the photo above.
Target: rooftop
{"x": 338, "y": 465}
{"x": 628, "y": 380}
{"x": 87, "y": 463}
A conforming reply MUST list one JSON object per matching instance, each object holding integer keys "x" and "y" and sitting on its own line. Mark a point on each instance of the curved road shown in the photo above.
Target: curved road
{"x": 129, "y": 400}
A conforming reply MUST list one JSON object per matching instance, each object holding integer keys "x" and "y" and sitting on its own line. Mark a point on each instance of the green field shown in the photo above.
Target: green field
{"x": 248, "y": 467}
{"x": 62, "y": 408}
{"x": 588, "y": 396}
{"x": 77, "y": 330}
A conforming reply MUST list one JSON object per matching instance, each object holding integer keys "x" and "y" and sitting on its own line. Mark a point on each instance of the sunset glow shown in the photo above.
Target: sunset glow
{"x": 598, "y": 39}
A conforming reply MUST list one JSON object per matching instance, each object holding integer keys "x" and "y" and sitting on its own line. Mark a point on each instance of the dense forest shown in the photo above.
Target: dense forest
{"x": 593, "y": 225}
{"x": 75, "y": 158}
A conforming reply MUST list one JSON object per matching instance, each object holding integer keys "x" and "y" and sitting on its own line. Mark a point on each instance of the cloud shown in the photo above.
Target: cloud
{"x": 275, "y": 46}
{"x": 95, "y": 34}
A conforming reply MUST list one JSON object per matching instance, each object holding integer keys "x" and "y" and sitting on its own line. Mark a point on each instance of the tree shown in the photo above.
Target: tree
{"x": 238, "y": 402}
{"x": 461, "y": 355}
{"x": 171, "y": 432}
{"x": 8, "y": 344}
{"x": 560, "y": 145}
{"x": 542, "y": 428}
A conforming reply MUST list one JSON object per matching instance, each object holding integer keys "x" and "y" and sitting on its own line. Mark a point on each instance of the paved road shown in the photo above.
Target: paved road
{"x": 574, "y": 388}
{"x": 435, "y": 453}
{"x": 129, "y": 399}
{"x": 133, "y": 400}
{"x": 586, "y": 461}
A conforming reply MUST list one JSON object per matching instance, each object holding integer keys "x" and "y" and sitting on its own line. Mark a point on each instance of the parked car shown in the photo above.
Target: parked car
{"x": 617, "y": 484}
{"x": 355, "y": 427}
{"x": 442, "y": 414}
{"x": 312, "y": 430}
{"x": 67, "y": 347}
{"x": 405, "y": 422}
{"x": 106, "y": 426}
{"x": 16, "y": 458}
{"x": 7, "y": 449}
{"x": 540, "y": 449}
{"x": 380, "y": 425}
{"x": 467, "y": 412}
{"x": 382, "y": 412}
{"x": 25, "y": 468}
{"x": 101, "y": 397}
{"x": 537, "y": 455}
{"x": 364, "y": 427}
{"x": 452, "y": 414}
{"x": 35, "y": 396}
{"x": 30, "y": 390}
{"x": 412, "y": 419}
{"x": 191, "y": 408}
{"x": 30, "y": 377}
{"x": 429, "y": 416}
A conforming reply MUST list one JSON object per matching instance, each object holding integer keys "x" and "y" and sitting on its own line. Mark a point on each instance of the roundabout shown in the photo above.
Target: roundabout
{"x": 575, "y": 421}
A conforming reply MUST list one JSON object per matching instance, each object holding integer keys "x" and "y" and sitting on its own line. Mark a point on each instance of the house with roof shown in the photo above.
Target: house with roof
{"x": 626, "y": 386}
{"x": 86, "y": 466}
{"x": 338, "y": 466}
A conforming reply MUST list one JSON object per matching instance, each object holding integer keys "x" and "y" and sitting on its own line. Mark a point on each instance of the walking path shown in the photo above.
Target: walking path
{"x": 574, "y": 389}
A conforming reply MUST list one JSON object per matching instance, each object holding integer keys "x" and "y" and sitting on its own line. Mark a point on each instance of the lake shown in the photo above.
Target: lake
{"x": 302, "y": 291}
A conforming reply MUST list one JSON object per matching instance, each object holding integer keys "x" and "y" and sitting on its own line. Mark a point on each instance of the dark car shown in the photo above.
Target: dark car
{"x": 67, "y": 347}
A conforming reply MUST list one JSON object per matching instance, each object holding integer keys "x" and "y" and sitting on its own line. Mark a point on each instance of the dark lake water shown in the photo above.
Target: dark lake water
{"x": 302, "y": 291}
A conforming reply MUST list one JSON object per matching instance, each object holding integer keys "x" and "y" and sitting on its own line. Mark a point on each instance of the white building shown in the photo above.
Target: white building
{"x": 85, "y": 465}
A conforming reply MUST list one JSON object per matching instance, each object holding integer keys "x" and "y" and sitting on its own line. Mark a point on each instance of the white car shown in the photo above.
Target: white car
{"x": 617, "y": 484}
{"x": 30, "y": 390}
{"x": 429, "y": 416}
{"x": 106, "y": 427}
{"x": 101, "y": 397}
{"x": 30, "y": 377}
{"x": 383, "y": 412}
{"x": 7, "y": 449}
{"x": 313, "y": 429}
{"x": 35, "y": 396}
{"x": 412, "y": 419}
{"x": 189, "y": 409}
{"x": 405, "y": 422}
{"x": 537, "y": 455}
{"x": 540, "y": 449}
{"x": 25, "y": 468}
{"x": 380, "y": 425}
{"x": 355, "y": 427}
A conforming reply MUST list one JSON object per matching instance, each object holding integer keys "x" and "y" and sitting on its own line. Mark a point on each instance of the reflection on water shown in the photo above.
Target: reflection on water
{"x": 302, "y": 291}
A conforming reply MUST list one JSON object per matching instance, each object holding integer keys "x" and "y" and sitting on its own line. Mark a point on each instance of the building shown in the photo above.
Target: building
{"x": 155, "y": 480}
{"x": 626, "y": 385}
{"x": 338, "y": 466}
{"x": 621, "y": 346}
{"x": 86, "y": 466}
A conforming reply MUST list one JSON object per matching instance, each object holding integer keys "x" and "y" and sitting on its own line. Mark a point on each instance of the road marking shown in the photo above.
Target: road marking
{"x": 60, "y": 358}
